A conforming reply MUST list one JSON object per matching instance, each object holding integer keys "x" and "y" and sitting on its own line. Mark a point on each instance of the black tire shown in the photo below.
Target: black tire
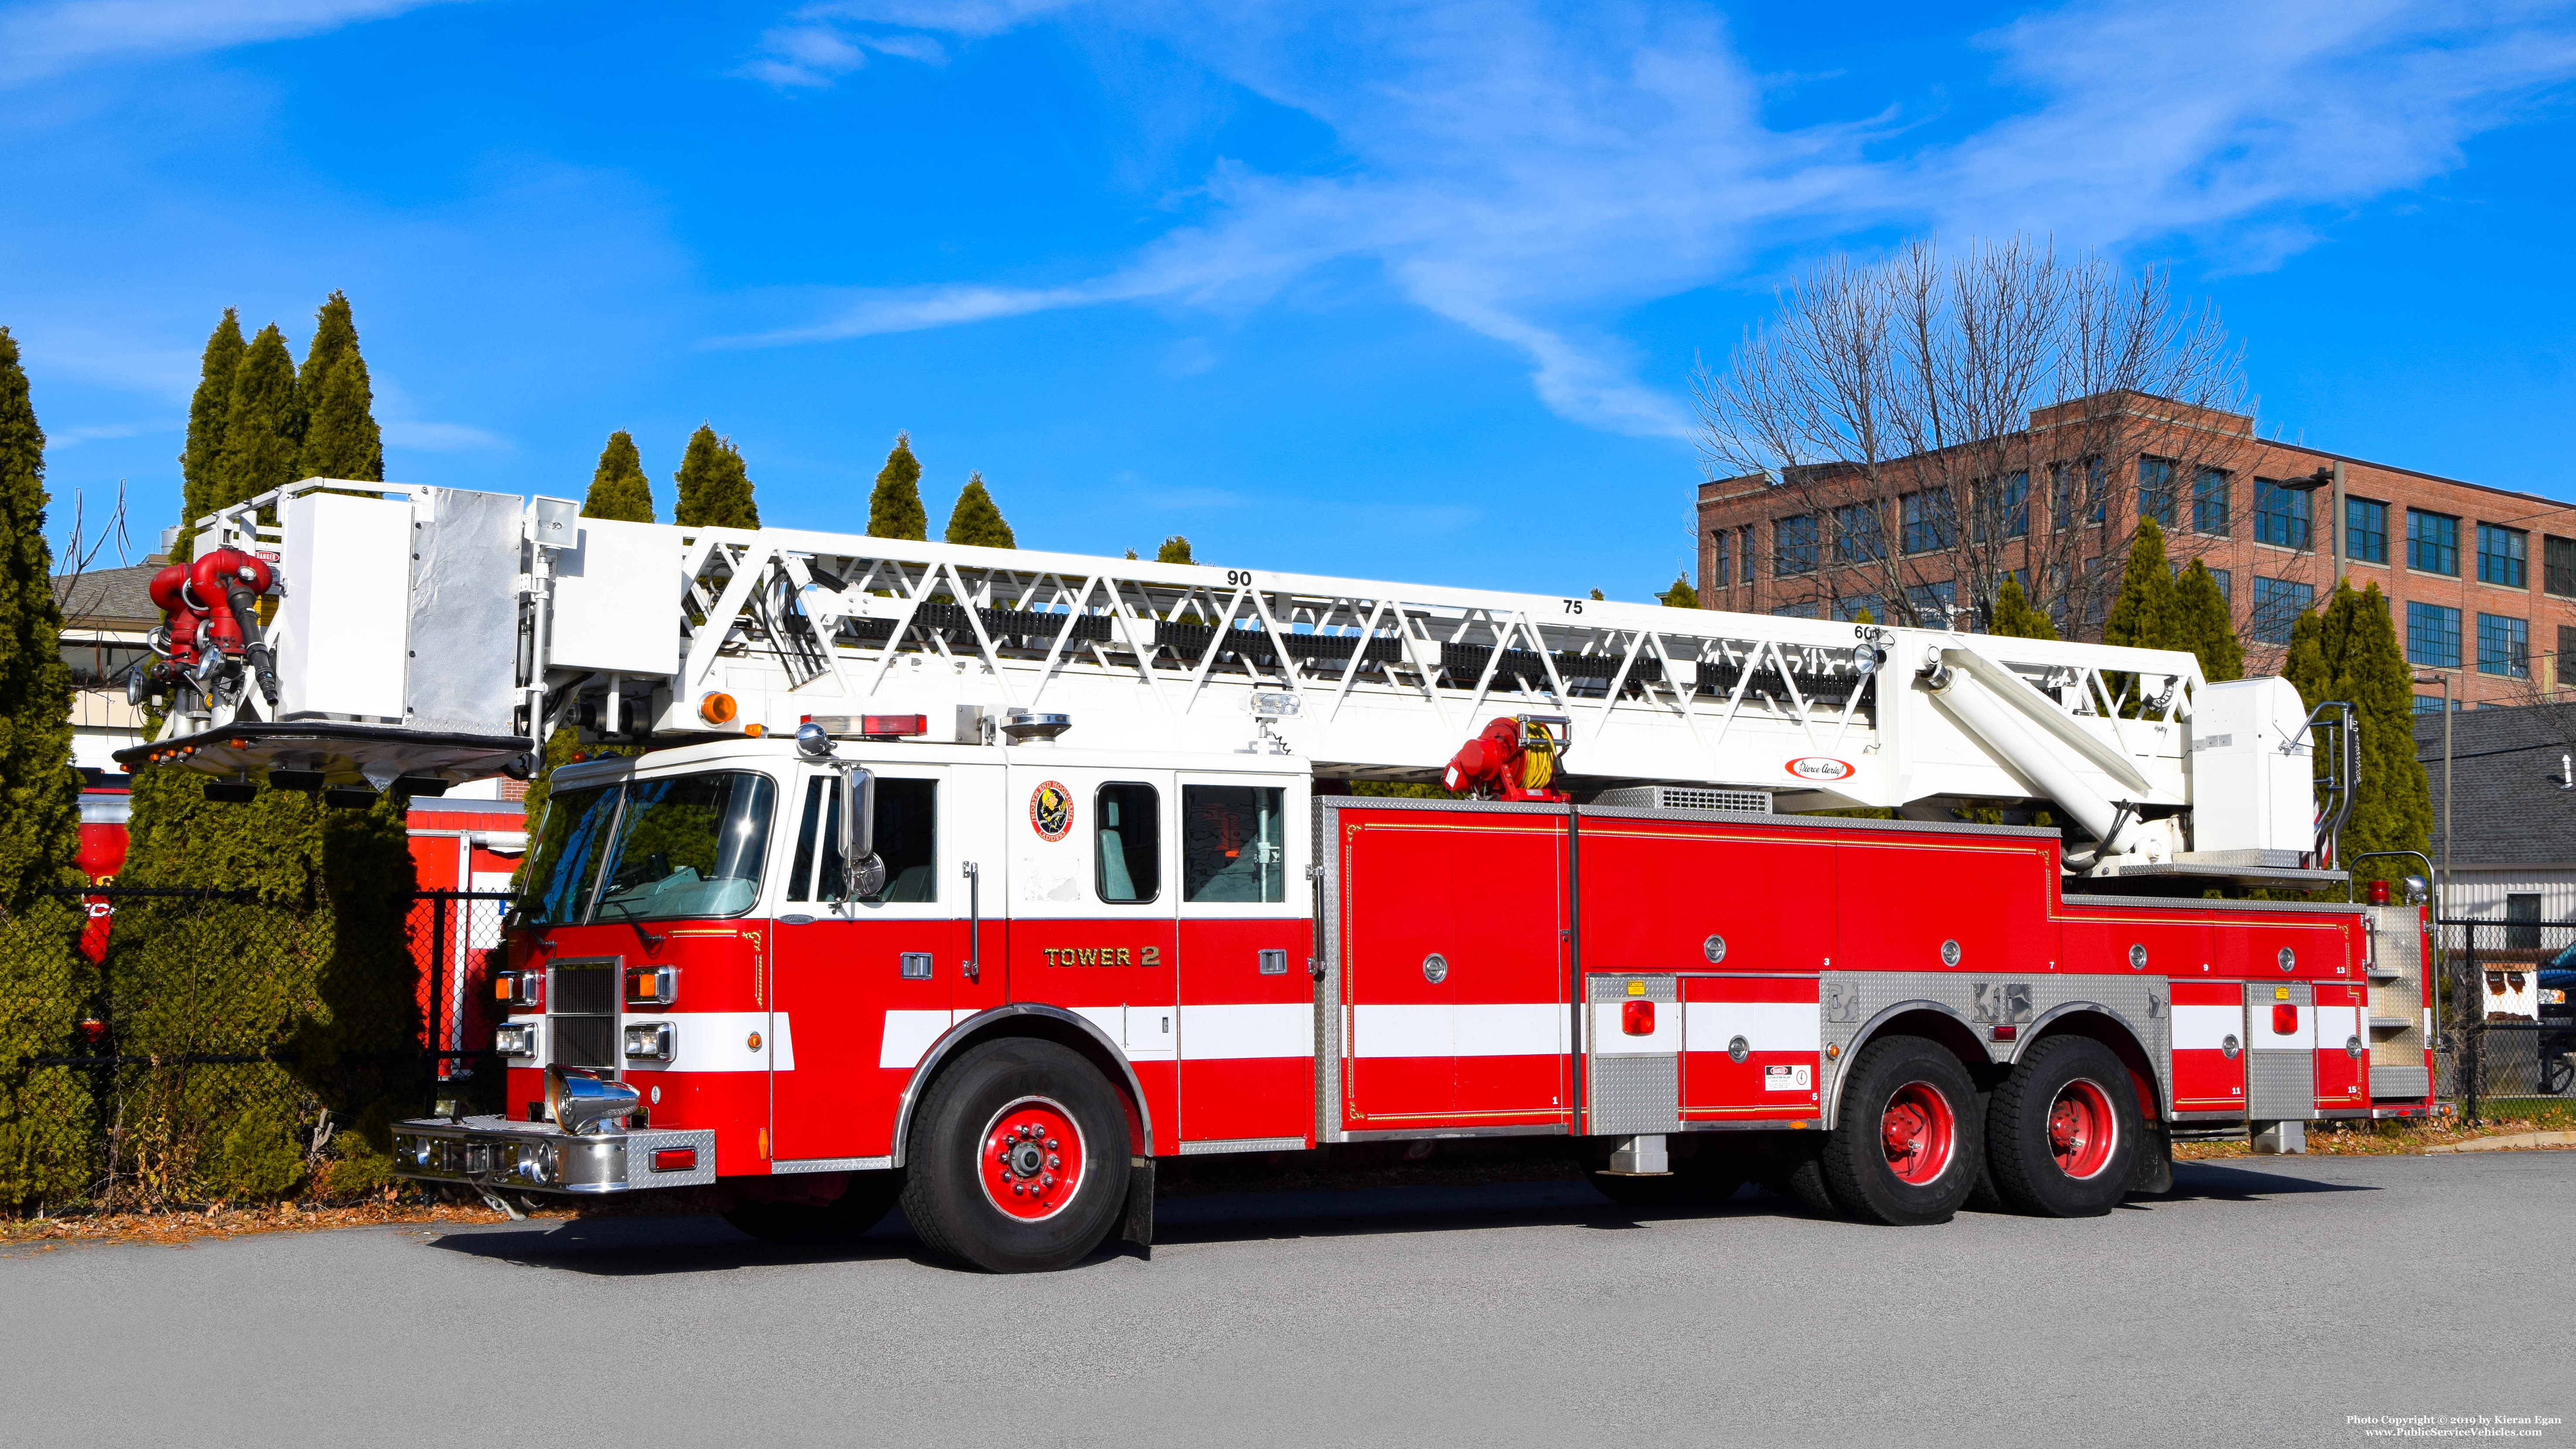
{"x": 1917, "y": 1084}
{"x": 944, "y": 1193}
{"x": 2557, "y": 1073}
{"x": 2093, "y": 1084}
{"x": 861, "y": 1206}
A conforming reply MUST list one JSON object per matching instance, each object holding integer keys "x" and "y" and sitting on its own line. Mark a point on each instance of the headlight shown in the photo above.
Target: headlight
{"x": 652, "y": 1041}
{"x": 515, "y": 1039}
{"x": 2554, "y": 996}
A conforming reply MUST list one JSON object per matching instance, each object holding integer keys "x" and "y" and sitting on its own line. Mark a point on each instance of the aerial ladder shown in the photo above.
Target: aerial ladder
{"x": 367, "y": 637}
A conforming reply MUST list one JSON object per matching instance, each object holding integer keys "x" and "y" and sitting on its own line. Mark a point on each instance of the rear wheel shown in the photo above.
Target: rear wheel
{"x": 1018, "y": 1160}
{"x": 2064, "y": 1136}
{"x": 860, "y": 1207}
{"x": 1905, "y": 1150}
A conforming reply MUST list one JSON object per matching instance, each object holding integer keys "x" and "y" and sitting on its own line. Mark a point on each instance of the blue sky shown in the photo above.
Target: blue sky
{"x": 1386, "y": 290}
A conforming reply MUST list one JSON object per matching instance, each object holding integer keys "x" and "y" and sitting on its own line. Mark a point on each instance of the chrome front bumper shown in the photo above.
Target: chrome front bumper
{"x": 495, "y": 1152}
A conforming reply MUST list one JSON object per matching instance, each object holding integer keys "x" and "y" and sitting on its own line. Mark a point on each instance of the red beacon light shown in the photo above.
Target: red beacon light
{"x": 2379, "y": 893}
{"x": 1637, "y": 1018}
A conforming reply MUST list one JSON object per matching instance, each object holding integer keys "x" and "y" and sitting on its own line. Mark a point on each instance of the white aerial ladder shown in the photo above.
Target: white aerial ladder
{"x": 430, "y": 635}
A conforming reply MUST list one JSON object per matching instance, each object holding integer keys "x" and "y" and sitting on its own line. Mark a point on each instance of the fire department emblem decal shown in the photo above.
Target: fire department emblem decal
{"x": 1051, "y": 811}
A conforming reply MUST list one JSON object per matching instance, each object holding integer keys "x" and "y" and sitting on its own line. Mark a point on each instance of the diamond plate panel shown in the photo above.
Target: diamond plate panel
{"x": 1631, "y": 1092}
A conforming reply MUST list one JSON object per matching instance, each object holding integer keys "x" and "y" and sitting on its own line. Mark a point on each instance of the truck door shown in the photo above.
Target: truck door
{"x": 1451, "y": 952}
{"x": 1247, "y": 1037}
{"x": 1092, "y": 895}
{"x": 860, "y": 990}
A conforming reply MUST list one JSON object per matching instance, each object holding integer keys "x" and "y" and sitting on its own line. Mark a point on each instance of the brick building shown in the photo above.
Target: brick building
{"x": 2481, "y": 581}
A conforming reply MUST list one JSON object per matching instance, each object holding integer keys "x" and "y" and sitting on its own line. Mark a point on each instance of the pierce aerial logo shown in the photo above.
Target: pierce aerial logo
{"x": 1820, "y": 767}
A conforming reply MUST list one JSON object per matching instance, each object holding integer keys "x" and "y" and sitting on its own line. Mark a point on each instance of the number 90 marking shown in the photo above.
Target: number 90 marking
{"x": 1240, "y": 578}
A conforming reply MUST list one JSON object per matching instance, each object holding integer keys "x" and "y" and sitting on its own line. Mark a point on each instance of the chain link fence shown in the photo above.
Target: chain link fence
{"x": 185, "y": 1046}
{"x": 2507, "y": 1036}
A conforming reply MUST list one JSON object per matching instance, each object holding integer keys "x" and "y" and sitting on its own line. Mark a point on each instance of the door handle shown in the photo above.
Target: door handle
{"x": 974, "y": 922}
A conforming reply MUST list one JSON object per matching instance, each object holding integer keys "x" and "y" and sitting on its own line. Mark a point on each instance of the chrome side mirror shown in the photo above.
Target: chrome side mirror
{"x": 862, "y": 874}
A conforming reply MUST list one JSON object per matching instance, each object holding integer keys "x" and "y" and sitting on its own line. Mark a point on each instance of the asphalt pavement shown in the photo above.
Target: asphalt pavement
{"x": 2260, "y": 1303}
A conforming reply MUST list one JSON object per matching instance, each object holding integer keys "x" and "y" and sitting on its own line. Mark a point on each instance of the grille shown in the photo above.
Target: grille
{"x": 585, "y": 990}
{"x": 586, "y": 1041}
{"x": 1686, "y": 797}
{"x": 582, "y": 1000}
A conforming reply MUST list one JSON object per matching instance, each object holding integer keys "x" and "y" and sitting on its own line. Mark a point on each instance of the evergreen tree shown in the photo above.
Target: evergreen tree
{"x": 2206, "y": 626}
{"x": 1175, "y": 549}
{"x": 715, "y": 490}
{"x": 336, "y": 402}
{"x": 2350, "y": 653}
{"x": 200, "y": 462}
{"x": 1863, "y": 616}
{"x": 894, "y": 507}
{"x": 260, "y": 442}
{"x": 1596, "y": 593}
{"x": 43, "y": 1111}
{"x": 2015, "y": 618}
{"x": 2142, "y": 615}
{"x": 618, "y": 487}
{"x": 976, "y": 520}
{"x": 1680, "y": 596}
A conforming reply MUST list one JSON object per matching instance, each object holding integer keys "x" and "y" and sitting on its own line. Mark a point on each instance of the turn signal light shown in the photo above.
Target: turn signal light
{"x": 2285, "y": 1019}
{"x": 519, "y": 988}
{"x": 652, "y": 985}
{"x": 716, "y": 707}
{"x": 1637, "y": 1018}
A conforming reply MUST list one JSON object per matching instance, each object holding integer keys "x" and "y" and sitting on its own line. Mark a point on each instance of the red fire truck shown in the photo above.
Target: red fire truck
{"x": 989, "y": 880}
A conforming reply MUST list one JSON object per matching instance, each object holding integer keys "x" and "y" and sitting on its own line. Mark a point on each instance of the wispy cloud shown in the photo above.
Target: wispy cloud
{"x": 61, "y": 438}
{"x": 40, "y": 40}
{"x": 427, "y": 437}
{"x": 1529, "y": 173}
{"x": 819, "y": 43}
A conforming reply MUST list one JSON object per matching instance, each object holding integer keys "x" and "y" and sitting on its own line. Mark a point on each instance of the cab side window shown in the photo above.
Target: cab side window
{"x": 1127, "y": 843}
{"x": 907, "y": 841}
{"x": 1231, "y": 845}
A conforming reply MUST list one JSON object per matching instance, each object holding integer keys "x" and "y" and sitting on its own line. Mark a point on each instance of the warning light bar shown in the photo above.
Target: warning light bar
{"x": 873, "y": 726}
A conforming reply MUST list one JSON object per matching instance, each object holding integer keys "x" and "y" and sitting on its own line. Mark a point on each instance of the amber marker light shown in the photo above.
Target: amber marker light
{"x": 716, "y": 707}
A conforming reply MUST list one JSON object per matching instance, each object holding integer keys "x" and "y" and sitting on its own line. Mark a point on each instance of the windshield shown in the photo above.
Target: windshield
{"x": 554, "y": 887}
{"x": 688, "y": 846}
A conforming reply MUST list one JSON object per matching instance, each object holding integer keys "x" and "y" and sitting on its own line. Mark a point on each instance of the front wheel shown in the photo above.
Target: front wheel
{"x": 2064, "y": 1133}
{"x": 1018, "y": 1160}
{"x": 1904, "y": 1148}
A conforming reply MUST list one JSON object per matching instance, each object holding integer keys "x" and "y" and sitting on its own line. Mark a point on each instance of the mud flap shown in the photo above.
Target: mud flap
{"x": 1137, "y": 1226}
{"x": 2155, "y": 1161}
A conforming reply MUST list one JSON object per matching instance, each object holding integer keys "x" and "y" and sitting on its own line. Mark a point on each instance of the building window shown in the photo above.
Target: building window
{"x": 2003, "y": 508}
{"x": 2428, "y": 704}
{"x": 1794, "y": 611}
{"x": 2521, "y": 922}
{"x": 1721, "y": 558}
{"x": 1793, "y": 545}
{"x": 2277, "y": 606}
{"x": 2504, "y": 646}
{"x": 1930, "y": 521}
{"x": 2433, "y": 543}
{"x": 1851, "y": 606}
{"x": 1931, "y": 602}
{"x": 2504, "y": 556}
{"x": 2072, "y": 488}
{"x": 2156, "y": 491}
{"x": 2365, "y": 531}
{"x": 2209, "y": 502}
{"x": 2566, "y": 649}
{"x": 2432, "y": 635}
{"x": 2558, "y": 565}
{"x": 2226, "y": 581}
{"x": 1856, "y": 535}
{"x": 2280, "y": 514}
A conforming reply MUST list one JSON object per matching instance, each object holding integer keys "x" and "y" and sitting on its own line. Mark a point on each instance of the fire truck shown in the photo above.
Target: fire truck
{"x": 987, "y": 881}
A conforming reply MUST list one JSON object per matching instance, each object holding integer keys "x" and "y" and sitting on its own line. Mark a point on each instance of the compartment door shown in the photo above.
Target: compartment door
{"x": 2343, "y": 1048}
{"x": 1750, "y": 1048}
{"x": 1456, "y": 1009}
{"x": 2209, "y": 1046}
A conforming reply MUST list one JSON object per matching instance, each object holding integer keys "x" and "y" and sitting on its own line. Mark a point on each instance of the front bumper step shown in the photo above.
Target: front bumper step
{"x": 495, "y": 1152}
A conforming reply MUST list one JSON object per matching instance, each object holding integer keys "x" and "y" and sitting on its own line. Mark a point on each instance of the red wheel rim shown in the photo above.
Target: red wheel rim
{"x": 1030, "y": 1159}
{"x": 2081, "y": 1131}
{"x": 1919, "y": 1132}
